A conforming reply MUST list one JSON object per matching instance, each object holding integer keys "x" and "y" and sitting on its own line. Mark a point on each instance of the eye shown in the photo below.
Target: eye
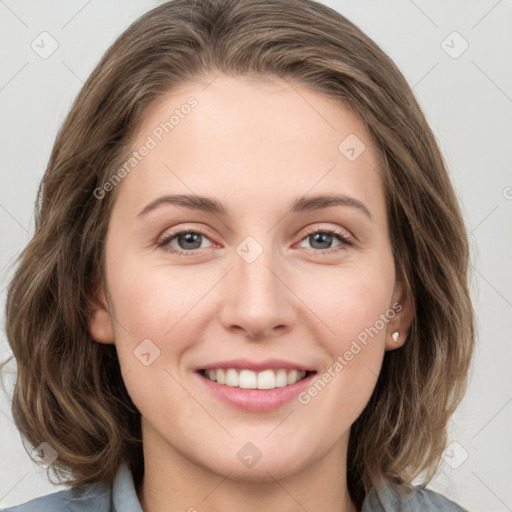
{"x": 322, "y": 239}
{"x": 188, "y": 242}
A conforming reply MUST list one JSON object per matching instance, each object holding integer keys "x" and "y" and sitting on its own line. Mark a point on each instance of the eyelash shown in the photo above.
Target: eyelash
{"x": 345, "y": 241}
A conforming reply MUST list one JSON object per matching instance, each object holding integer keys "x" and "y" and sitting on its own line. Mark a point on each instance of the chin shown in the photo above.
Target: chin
{"x": 267, "y": 468}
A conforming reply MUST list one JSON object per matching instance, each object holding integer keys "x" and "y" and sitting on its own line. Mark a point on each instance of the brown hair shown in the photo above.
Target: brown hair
{"x": 69, "y": 390}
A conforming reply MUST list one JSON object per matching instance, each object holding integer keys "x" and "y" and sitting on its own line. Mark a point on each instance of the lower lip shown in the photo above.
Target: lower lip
{"x": 256, "y": 400}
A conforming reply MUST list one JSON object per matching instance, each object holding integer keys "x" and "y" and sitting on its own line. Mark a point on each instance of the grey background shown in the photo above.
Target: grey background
{"x": 467, "y": 101}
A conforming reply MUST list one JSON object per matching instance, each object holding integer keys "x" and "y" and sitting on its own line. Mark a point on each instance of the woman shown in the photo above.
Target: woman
{"x": 308, "y": 349}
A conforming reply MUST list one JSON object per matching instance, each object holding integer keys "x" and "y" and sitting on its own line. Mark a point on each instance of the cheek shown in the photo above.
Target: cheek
{"x": 151, "y": 301}
{"x": 356, "y": 310}
{"x": 156, "y": 320}
{"x": 349, "y": 301}
{"x": 156, "y": 327}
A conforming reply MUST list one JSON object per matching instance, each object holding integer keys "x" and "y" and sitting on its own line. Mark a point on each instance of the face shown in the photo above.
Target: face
{"x": 269, "y": 287}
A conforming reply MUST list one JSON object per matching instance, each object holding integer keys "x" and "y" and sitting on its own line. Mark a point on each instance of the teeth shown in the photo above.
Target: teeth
{"x": 247, "y": 379}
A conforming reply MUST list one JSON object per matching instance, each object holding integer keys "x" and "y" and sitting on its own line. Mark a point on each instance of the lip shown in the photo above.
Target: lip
{"x": 257, "y": 366}
{"x": 255, "y": 400}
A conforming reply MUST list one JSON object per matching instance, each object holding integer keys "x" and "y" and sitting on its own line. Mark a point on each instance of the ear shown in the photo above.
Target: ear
{"x": 99, "y": 319}
{"x": 398, "y": 326}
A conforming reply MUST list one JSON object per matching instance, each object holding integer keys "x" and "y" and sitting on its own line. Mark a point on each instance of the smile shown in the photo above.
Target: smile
{"x": 249, "y": 379}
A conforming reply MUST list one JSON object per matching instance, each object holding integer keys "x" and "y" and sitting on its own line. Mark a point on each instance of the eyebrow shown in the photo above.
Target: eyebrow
{"x": 210, "y": 205}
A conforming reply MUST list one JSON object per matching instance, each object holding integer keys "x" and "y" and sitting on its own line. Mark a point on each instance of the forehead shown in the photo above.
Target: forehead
{"x": 231, "y": 137}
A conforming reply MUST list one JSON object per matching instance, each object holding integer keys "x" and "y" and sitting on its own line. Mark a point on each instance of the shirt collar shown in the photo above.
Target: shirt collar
{"x": 124, "y": 495}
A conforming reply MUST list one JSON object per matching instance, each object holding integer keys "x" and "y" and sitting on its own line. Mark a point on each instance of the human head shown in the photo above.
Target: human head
{"x": 174, "y": 44}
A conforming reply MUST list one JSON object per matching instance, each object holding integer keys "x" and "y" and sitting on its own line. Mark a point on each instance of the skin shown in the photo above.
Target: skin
{"x": 255, "y": 147}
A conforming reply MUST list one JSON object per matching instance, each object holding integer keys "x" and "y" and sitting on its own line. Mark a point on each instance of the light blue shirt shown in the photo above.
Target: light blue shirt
{"x": 122, "y": 497}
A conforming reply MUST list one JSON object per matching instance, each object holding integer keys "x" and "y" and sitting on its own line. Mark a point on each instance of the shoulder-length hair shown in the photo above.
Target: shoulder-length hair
{"x": 70, "y": 391}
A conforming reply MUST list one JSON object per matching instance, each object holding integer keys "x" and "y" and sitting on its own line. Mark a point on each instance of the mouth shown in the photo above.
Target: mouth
{"x": 244, "y": 378}
{"x": 255, "y": 386}
{"x": 255, "y": 391}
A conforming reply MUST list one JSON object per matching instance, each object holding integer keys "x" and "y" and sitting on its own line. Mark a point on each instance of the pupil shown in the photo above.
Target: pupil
{"x": 320, "y": 238}
{"x": 190, "y": 238}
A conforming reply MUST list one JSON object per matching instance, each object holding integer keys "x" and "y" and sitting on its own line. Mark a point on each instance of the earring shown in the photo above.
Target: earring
{"x": 395, "y": 336}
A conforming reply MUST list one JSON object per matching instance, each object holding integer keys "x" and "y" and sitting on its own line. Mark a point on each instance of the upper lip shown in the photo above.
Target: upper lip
{"x": 257, "y": 366}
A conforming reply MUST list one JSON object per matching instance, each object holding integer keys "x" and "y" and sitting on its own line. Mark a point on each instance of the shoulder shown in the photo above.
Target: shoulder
{"x": 391, "y": 497}
{"x": 95, "y": 498}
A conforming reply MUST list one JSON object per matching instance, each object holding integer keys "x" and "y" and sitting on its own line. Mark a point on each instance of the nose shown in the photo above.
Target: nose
{"x": 257, "y": 299}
